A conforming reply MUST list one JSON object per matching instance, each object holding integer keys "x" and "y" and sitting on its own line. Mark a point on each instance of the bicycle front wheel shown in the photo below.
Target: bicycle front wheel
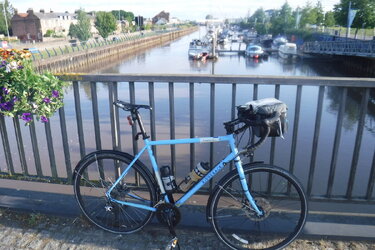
{"x": 96, "y": 174}
{"x": 277, "y": 194}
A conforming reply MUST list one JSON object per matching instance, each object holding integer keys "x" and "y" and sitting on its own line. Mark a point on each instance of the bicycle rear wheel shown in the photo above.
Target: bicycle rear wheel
{"x": 95, "y": 174}
{"x": 278, "y": 194}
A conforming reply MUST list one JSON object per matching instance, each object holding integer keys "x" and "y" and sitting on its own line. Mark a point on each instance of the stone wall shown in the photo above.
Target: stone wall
{"x": 91, "y": 56}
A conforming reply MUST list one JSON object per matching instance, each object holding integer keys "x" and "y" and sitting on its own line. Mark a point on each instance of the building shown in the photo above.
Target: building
{"x": 161, "y": 18}
{"x": 32, "y": 26}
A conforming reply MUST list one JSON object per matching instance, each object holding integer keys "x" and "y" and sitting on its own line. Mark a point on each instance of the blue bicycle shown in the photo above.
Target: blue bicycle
{"x": 254, "y": 206}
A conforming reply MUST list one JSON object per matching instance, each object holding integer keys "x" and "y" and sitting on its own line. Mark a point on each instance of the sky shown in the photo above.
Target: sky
{"x": 182, "y": 9}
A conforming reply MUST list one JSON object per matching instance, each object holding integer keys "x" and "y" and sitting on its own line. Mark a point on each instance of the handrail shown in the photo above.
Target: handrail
{"x": 227, "y": 79}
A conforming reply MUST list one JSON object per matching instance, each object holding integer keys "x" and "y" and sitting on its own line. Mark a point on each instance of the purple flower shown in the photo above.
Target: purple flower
{"x": 7, "y": 106}
{"x": 46, "y": 100}
{"x": 26, "y": 117}
{"x": 44, "y": 119}
{"x": 15, "y": 99}
{"x": 5, "y": 91}
{"x": 55, "y": 93}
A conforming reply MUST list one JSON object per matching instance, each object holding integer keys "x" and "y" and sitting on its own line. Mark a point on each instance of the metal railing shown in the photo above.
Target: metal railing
{"x": 345, "y": 48}
{"x": 58, "y": 162}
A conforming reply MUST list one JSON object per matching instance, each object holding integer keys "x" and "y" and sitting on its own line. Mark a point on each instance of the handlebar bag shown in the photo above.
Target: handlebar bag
{"x": 264, "y": 109}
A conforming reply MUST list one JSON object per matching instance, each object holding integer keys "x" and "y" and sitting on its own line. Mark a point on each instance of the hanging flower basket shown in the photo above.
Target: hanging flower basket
{"x": 24, "y": 93}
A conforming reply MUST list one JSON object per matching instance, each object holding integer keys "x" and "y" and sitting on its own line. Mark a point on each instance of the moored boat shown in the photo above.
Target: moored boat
{"x": 288, "y": 51}
{"x": 254, "y": 51}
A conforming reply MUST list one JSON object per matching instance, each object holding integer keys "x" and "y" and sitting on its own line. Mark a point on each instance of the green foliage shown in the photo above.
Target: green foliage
{"x": 365, "y": 14}
{"x": 24, "y": 92}
{"x": 105, "y": 23}
{"x": 148, "y": 26}
{"x": 123, "y": 15}
{"x": 282, "y": 20}
{"x": 312, "y": 14}
{"x": 329, "y": 19}
{"x": 9, "y": 12}
{"x": 50, "y": 33}
{"x": 258, "y": 17}
{"x": 81, "y": 30}
{"x": 306, "y": 35}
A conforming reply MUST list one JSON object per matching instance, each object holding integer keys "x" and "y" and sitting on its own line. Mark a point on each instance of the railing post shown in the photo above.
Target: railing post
{"x": 20, "y": 147}
{"x": 5, "y": 142}
{"x": 192, "y": 124}
{"x": 318, "y": 118}
{"x": 77, "y": 102}
{"x": 172, "y": 124}
{"x": 336, "y": 144}
{"x": 358, "y": 140}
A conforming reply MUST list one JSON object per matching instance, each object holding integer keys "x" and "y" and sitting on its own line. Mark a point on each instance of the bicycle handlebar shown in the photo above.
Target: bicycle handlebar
{"x": 266, "y": 122}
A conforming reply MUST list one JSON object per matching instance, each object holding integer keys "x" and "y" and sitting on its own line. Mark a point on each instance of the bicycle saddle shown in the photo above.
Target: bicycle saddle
{"x": 130, "y": 107}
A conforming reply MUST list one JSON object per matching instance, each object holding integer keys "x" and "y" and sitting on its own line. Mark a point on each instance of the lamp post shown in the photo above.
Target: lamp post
{"x": 6, "y": 21}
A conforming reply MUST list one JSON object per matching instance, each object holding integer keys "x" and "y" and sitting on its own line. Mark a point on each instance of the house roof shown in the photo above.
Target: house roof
{"x": 52, "y": 15}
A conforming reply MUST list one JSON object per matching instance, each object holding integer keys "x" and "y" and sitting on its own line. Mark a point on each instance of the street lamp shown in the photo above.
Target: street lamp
{"x": 6, "y": 21}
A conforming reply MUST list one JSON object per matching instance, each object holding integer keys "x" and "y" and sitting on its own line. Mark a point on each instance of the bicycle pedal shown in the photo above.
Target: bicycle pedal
{"x": 172, "y": 243}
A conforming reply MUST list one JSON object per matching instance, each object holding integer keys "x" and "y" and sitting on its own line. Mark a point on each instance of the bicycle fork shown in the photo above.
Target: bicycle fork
{"x": 244, "y": 185}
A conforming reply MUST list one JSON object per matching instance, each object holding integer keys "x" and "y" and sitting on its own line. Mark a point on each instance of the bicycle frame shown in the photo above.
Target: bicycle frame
{"x": 233, "y": 155}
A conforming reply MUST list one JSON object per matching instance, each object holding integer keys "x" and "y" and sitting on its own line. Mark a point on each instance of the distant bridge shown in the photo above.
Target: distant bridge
{"x": 342, "y": 48}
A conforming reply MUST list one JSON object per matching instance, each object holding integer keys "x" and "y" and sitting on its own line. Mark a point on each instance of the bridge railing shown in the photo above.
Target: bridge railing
{"x": 197, "y": 105}
{"x": 354, "y": 48}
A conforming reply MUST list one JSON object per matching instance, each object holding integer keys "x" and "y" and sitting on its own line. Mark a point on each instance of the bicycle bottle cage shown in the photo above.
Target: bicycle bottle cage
{"x": 263, "y": 109}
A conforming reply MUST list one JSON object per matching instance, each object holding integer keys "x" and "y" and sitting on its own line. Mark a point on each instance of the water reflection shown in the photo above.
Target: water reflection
{"x": 199, "y": 65}
{"x": 353, "y": 107}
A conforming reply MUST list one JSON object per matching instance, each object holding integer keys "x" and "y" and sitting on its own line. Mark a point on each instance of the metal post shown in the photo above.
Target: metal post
{"x": 6, "y": 21}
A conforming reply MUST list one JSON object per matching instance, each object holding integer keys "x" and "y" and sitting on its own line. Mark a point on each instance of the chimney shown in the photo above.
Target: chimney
{"x": 50, "y": 11}
{"x": 41, "y": 11}
{"x": 30, "y": 11}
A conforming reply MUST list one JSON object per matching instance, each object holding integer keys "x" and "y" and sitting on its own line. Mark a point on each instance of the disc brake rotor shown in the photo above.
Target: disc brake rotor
{"x": 263, "y": 204}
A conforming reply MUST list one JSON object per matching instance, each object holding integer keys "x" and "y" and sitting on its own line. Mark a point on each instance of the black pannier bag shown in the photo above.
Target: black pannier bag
{"x": 265, "y": 108}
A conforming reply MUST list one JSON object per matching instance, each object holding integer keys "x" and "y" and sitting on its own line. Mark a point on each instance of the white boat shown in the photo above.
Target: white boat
{"x": 288, "y": 51}
{"x": 254, "y": 51}
{"x": 195, "y": 49}
{"x": 277, "y": 42}
{"x": 199, "y": 50}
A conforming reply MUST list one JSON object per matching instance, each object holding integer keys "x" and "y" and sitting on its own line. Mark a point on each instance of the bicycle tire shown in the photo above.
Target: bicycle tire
{"x": 239, "y": 227}
{"x": 92, "y": 177}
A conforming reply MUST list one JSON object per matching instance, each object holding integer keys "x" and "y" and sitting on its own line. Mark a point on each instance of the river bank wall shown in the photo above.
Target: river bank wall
{"x": 99, "y": 56}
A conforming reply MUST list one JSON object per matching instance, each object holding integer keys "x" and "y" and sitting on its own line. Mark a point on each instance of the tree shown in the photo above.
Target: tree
{"x": 319, "y": 13}
{"x": 258, "y": 21}
{"x": 105, "y": 23}
{"x": 123, "y": 15}
{"x": 365, "y": 13}
{"x": 329, "y": 19}
{"x": 308, "y": 15}
{"x": 72, "y": 31}
{"x": 282, "y": 20}
{"x": 81, "y": 30}
{"x": 9, "y": 12}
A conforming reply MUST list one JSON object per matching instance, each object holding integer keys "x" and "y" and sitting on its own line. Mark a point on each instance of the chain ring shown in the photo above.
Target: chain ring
{"x": 168, "y": 210}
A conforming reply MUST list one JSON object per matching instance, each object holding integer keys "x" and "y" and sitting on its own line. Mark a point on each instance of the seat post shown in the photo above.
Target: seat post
{"x": 140, "y": 124}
